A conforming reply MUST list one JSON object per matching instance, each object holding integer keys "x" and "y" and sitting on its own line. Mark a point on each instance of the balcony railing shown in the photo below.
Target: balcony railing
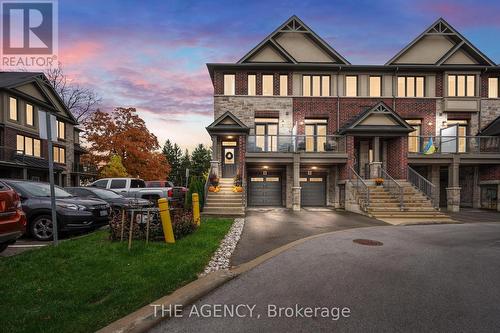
{"x": 454, "y": 145}
{"x": 85, "y": 169}
{"x": 296, "y": 143}
{"x": 8, "y": 154}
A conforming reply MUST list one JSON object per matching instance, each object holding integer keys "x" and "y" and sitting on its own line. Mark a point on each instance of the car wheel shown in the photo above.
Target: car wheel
{"x": 3, "y": 246}
{"x": 42, "y": 228}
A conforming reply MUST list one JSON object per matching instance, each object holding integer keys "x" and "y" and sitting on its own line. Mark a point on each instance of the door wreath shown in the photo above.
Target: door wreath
{"x": 229, "y": 155}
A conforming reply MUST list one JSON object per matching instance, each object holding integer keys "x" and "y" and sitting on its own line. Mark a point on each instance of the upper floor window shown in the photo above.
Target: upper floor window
{"x": 315, "y": 130}
{"x": 29, "y": 114}
{"x": 13, "y": 108}
{"x": 28, "y": 146}
{"x": 61, "y": 130}
{"x": 351, "y": 86}
{"x": 375, "y": 86}
{"x": 316, "y": 85}
{"x": 414, "y": 137}
{"x": 252, "y": 84}
{"x": 411, "y": 86}
{"x": 266, "y": 134}
{"x": 493, "y": 87}
{"x": 229, "y": 84}
{"x": 461, "y": 85}
{"x": 267, "y": 85}
{"x": 59, "y": 154}
{"x": 283, "y": 85}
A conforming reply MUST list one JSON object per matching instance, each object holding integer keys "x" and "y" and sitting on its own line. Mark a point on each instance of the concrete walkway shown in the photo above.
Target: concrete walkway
{"x": 268, "y": 229}
{"x": 430, "y": 278}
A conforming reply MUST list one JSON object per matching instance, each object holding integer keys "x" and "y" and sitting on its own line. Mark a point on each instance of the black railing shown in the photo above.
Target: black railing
{"x": 8, "y": 154}
{"x": 429, "y": 145}
{"x": 361, "y": 187}
{"x": 393, "y": 187}
{"x": 85, "y": 169}
{"x": 423, "y": 185}
{"x": 296, "y": 143}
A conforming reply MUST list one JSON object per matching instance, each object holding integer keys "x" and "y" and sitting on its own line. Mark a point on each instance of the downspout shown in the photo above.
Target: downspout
{"x": 338, "y": 99}
{"x": 394, "y": 89}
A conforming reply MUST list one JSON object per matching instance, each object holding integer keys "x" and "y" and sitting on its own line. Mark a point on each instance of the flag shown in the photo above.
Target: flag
{"x": 429, "y": 147}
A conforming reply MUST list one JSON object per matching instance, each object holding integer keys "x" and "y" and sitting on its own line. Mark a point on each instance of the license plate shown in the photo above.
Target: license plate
{"x": 103, "y": 213}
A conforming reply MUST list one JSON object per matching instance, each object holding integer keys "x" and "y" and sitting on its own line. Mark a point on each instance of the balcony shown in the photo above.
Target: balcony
{"x": 11, "y": 155}
{"x": 472, "y": 149}
{"x": 296, "y": 144}
{"x": 85, "y": 169}
{"x": 312, "y": 148}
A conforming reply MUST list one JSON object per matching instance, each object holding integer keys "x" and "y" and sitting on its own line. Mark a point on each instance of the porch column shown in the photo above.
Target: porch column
{"x": 25, "y": 174}
{"x": 453, "y": 189}
{"x": 435, "y": 179}
{"x": 215, "y": 163}
{"x": 375, "y": 165}
{"x": 296, "y": 182}
{"x": 498, "y": 197}
{"x": 476, "y": 189}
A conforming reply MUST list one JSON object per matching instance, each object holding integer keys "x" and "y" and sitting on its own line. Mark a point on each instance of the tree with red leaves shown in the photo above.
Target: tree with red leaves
{"x": 123, "y": 133}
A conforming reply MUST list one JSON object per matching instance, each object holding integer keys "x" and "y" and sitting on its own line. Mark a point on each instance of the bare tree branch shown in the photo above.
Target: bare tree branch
{"x": 82, "y": 102}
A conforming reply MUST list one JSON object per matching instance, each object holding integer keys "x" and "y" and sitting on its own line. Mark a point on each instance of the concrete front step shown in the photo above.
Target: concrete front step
{"x": 228, "y": 200}
{"x": 408, "y": 215}
{"x": 223, "y": 212}
{"x": 210, "y": 204}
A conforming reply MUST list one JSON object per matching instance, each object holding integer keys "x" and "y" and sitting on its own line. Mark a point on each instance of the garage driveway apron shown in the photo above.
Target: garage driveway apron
{"x": 268, "y": 229}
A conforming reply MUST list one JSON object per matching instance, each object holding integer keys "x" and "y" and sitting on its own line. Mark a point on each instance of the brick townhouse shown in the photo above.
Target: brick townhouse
{"x": 304, "y": 127}
{"x": 23, "y": 155}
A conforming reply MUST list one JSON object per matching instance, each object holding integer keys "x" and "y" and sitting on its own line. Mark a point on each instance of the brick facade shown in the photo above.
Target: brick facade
{"x": 397, "y": 161}
{"x": 315, "y": 107}
{"x": 489, "y": 172}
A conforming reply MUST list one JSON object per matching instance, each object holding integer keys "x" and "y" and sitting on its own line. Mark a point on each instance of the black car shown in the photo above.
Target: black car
{"x": 115, "y": 200}
{"x": 73, "y": 214}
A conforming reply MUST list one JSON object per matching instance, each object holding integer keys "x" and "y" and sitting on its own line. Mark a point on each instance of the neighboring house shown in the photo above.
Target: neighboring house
{"x": 304, "y": 127}
{"x": 23, "y": 155}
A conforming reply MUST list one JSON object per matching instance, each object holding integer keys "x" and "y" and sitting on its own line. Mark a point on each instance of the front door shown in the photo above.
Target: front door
{"x": 229, "y": 161}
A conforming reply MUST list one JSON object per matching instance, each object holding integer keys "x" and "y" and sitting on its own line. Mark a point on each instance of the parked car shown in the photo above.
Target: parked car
{"x": 136, "y": 188}
{"x": 12, "y": 217}
{"x": 115, "y": 200}
{"x": 73, "y": 213}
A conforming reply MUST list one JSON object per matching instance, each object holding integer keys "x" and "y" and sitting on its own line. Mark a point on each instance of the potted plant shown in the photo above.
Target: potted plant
{"x": 379, "y": 181}
{"x": 213, "y": 180}
{"x": 237, "y": 179}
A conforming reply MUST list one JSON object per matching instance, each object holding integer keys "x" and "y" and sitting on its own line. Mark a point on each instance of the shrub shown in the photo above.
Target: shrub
{"x": 196, "y": 185}
{"x": 182, "y": 223}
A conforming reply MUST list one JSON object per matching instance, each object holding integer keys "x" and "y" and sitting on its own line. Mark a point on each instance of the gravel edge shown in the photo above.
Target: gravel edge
{"x": 220, "y": 259}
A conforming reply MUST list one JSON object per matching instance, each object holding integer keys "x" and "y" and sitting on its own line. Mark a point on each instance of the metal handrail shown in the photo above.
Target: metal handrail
{"x": 392, "y": 186}
{"x": 205, "y": 190}
{"x": 422, "y": 184}
{"x": 361, "y": 188}
{"x": 296, "y": 143}
{"x": 460, "y": 144}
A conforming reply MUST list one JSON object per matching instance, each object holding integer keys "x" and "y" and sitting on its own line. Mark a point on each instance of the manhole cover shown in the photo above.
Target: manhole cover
{"x": 368, "y": 242}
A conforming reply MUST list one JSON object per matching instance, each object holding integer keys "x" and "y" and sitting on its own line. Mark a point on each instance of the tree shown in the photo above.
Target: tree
{"x": 114, "y": 168}
{"x": 81, "y": 101}
{"x": 122, "y": 132}
{"x": 200, "y": 160}
{"x": 173, "y": 155}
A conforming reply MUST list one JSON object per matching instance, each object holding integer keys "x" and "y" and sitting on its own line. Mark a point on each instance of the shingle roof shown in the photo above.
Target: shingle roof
{"x": 8, "y": 79}
{"x": 492, "y": 128}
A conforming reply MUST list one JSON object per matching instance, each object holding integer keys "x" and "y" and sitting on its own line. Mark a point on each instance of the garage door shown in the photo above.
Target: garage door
{"x": 313, "y": 191}
{"x": 264, "y": 191}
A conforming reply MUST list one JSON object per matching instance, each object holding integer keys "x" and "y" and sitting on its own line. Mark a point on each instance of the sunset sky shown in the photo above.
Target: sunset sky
{"x": 152, "y": 54}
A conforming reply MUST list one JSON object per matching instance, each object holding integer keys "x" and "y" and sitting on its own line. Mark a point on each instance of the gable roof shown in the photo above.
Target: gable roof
{"x": 360, "y": 123}
{"x": 282, "y": 39}
{"x": 227, "y": 123}
{"x": 10, "y": 80}
{"x": 447, "y": 47}
{"x": 492, "y": 129}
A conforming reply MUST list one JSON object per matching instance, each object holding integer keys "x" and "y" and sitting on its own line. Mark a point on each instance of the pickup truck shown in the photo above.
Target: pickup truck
{"x": 137, "y": 188}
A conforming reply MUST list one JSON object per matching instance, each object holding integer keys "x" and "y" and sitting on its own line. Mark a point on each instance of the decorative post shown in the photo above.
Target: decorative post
{"x": 166, "y": 223}
{"x": 196, "y": 209}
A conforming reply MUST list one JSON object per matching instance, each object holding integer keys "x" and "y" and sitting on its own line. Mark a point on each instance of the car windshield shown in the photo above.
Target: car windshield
{"x": 42, "y": 190}
{"x": 105, "y": 194}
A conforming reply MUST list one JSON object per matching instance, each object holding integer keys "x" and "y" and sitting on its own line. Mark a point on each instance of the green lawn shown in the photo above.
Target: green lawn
{"x": 89, "y": 282}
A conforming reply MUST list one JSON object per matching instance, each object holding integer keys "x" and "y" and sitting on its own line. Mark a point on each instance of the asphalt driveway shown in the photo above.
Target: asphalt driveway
{"x": 268, "y": 229}
{"x": 428, "y": 278}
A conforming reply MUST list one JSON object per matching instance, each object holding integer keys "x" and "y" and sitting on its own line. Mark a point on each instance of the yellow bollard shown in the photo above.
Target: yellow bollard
{"x": 196, "y": 209}
{"x": 168, "y": 232}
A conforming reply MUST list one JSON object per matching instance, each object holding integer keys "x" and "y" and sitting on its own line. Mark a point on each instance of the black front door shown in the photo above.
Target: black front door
{"x": 229, "y": 161}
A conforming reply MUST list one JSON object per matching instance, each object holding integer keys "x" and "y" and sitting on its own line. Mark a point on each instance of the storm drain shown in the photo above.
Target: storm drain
{"x": 368, "y": 242}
